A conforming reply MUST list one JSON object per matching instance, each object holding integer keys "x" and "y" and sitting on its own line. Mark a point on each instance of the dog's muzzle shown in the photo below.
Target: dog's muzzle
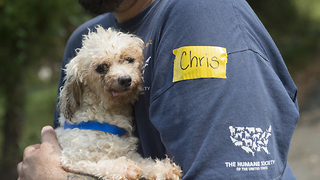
{"x": 125, "y": 81}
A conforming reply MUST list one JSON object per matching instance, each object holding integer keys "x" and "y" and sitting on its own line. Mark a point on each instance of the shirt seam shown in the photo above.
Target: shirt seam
{"x": 240, "y": 25}
{"x": 235, "y": 52}
{"x": 244, "y": 33}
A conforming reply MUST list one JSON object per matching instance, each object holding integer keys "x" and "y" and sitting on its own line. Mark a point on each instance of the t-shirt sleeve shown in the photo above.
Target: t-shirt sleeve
{"x": 221, "y": 97}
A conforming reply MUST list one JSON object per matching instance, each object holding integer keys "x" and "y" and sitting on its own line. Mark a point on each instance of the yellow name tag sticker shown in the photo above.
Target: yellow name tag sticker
{"x": 194, "y": 62}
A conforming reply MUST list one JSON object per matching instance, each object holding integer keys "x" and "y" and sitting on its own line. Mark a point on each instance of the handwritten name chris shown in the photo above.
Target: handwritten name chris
{"x": 188, "y": 60}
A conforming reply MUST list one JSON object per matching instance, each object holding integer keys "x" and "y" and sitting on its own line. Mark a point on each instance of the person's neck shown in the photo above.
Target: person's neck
{"x": 130, "y": 9}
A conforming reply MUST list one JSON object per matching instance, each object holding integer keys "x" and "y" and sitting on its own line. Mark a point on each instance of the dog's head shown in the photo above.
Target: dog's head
{"x": 108, "y": 64}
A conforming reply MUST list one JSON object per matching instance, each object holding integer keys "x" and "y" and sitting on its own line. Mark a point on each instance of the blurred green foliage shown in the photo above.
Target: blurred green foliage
{"x": 40, "y": 103}
{"x": 34, "y": 28}
{"x": 33, "y": 33}
{"x": 309, "y": 8}
{"x": 295, "y": 27}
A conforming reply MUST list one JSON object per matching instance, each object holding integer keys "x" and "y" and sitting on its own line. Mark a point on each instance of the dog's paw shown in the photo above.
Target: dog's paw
{"x": 121, "y": 169}
{"x": 166, "y": 170}
{"x": 132, "y": 170}
{"x": 173, "y": 173}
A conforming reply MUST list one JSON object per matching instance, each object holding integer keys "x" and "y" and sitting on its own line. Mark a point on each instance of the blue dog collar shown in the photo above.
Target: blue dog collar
{"x": 94, "y": 125}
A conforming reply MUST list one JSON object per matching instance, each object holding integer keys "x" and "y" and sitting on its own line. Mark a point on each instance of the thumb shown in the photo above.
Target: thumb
{"x": 48, "y": 135}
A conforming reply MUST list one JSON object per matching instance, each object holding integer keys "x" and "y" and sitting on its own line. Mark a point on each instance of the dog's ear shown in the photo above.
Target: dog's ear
{"x": 70, "y": 96}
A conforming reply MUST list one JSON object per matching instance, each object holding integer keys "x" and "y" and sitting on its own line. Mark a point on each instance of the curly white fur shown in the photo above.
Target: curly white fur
{"x": 101, "y": 84}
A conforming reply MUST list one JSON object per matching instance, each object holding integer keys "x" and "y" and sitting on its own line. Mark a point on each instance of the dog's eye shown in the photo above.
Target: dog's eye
{"x": 130, "y": 60}
{"x": 102, "y": 68}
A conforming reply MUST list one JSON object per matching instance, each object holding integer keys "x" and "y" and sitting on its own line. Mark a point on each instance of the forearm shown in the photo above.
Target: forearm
{"x": 80, "y": 177}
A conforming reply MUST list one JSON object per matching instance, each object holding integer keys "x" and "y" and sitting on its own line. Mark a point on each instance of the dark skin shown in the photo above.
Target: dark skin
{"x": 41, "y": 161}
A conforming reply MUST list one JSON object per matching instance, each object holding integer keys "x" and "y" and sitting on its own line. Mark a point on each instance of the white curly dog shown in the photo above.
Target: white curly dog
{"x": 102, "y": 82}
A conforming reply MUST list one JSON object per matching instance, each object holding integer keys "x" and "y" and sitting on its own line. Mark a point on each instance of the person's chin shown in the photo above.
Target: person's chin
{"x": 98, "y": 7}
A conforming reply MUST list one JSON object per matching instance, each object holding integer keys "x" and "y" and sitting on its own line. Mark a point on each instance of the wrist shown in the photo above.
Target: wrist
{"x": 80, "y": 177}
{"x": 65, "y": 175}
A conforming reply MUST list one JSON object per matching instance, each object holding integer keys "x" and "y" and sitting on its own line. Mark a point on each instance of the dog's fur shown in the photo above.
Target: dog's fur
{"x": 101, "y": 84}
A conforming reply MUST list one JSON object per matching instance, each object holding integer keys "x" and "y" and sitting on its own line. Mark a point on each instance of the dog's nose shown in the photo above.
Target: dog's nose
{"x": 125, "y": 81}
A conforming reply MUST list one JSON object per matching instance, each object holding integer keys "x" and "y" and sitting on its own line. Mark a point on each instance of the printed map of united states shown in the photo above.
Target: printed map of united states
{"x": 250, "y": 139}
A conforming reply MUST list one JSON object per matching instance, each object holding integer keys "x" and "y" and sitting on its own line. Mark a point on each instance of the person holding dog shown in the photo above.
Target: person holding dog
{"x": 218, "y": 98}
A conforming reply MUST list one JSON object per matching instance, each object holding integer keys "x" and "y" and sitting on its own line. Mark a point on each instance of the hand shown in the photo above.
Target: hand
{"x": 41, "y": 161}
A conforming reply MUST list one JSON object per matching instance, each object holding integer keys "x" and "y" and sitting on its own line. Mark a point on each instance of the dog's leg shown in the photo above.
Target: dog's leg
{"x": 162, "y": 170}
{"x": 157, "y": 169}
{"x": 111, "y": 169}
{"x": 121, "y": 168}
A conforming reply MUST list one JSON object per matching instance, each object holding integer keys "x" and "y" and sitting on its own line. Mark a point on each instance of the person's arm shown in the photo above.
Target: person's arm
{"x": 237, "y": 126}
{"x": 80, "y": 177}
{"x": 41, "y": 161}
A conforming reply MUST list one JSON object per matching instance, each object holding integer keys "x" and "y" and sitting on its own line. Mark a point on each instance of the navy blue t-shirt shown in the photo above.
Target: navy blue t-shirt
{"x": 218, "y": 98}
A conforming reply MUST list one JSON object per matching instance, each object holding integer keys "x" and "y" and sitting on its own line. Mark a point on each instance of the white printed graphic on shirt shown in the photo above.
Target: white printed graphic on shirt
{"x": 250, "y": 139}
{"x": 146, "y": 63}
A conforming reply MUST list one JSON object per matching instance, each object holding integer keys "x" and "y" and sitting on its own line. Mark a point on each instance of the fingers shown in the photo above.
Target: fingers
{"x": 41, "y": 158}
{"x": 48, "y": 135}
{"x": 19, "y": 166}
{"x": 19, "y": 170}
{"x": 28, "y": 150}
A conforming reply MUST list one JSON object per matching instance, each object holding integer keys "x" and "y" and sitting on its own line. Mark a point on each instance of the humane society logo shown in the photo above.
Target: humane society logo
{"x": 250, "y": 139}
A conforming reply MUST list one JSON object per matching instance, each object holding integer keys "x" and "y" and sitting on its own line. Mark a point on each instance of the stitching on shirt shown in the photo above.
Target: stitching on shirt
{"x": 292, "y": 94}
{"x": 152, "y": 100}
{"x": 240, "y": 24}
{"x": 242, "y": 28}
{"x": 256, "y": 52}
